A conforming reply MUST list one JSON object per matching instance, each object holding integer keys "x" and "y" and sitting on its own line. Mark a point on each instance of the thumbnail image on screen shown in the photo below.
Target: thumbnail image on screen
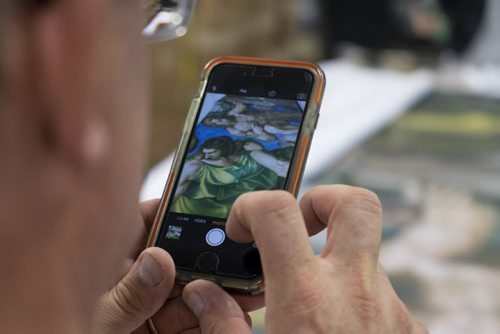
{"x": 240, "y": 144}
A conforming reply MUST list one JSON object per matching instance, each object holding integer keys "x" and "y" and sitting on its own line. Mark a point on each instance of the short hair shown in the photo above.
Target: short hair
{"x": 224, "y": 143}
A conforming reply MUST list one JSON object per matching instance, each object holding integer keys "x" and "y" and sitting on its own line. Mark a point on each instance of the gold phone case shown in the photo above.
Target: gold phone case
{"x": 296, "y": 168}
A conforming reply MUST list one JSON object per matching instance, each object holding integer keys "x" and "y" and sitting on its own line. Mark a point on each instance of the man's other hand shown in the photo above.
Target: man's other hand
{"x": 342, "y": 290}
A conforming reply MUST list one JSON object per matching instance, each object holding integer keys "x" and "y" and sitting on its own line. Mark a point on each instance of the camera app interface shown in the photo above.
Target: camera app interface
{"x": 241, "y": 142}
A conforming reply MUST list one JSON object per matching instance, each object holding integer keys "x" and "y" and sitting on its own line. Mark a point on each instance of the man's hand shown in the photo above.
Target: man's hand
{"x": 343, "y": 290}
{"x": 147, "y": 290}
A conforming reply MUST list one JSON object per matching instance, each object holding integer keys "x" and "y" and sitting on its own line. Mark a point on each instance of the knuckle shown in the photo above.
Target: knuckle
{"x": 275, "y": 203}
{"x": 368, "y": 312}
{"x": 402, "y": 318}
{"x": 366, "y": 200}
{"x": 309, "y": 294}
{"x": 268, "y": 203}
{"x": 376, "y": 314}
{"x": 361, "y": 211}
{"x": 128, "y": 300}
{"x": 368, "y": 308}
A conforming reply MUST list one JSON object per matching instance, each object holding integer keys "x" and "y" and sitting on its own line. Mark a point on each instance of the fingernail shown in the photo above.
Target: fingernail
{"x": 150, "y": 272}
{"x": 195, "y": 303}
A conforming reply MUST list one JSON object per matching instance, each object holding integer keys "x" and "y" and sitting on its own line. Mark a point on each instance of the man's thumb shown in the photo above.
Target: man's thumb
{"x": 139, "y": 295}
{"x": 216, "y": 310}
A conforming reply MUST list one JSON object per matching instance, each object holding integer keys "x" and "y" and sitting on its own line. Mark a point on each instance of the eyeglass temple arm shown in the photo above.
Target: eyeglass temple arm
{"x": 152, "y": 7}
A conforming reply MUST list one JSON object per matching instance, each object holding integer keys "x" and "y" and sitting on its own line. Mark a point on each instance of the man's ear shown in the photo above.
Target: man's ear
{"x": 71, "y": 125}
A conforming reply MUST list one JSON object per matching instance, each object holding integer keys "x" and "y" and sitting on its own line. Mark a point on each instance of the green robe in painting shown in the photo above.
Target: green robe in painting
{"x": 214, "y": 189}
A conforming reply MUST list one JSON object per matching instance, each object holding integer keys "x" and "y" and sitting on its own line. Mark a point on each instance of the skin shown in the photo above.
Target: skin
{"x": 343, "y": 290}
{"x": 72, "y": 136}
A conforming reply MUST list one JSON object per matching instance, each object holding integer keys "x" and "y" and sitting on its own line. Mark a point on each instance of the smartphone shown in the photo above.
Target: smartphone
{"x": 249, "y": 128}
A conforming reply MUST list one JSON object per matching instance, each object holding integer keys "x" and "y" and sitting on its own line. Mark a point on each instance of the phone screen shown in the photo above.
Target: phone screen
{"x": 244, "y": 139}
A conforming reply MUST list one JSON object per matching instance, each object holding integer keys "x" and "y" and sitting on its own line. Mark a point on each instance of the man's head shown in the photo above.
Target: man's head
{"x": 73, "y": 96}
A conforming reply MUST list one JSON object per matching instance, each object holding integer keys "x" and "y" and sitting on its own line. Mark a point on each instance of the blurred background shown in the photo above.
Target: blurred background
{"x": 412, "y": 107}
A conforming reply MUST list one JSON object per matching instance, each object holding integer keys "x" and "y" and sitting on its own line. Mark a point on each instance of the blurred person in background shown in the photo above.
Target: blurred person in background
{"x": 423, "y": 26}
{"x": 74, "y": 100}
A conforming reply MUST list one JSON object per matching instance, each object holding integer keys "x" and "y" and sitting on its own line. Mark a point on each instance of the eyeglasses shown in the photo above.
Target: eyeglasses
{"x": 166, "y": 19}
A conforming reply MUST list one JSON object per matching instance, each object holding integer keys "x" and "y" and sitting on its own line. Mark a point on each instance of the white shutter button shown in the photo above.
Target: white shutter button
{"x": 215, "y": 237}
